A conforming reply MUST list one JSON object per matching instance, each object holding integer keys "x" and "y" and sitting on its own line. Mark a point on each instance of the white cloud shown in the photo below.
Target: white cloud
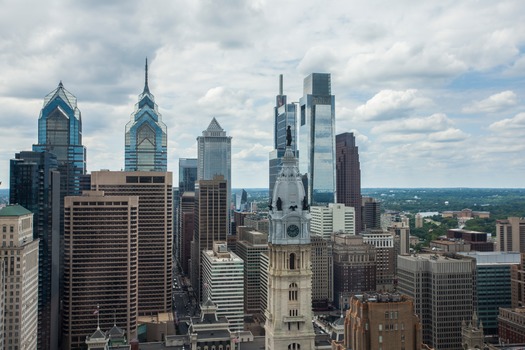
{"x": 435, "y": 122}
{"x": 493, "y": 103}
{"x": 514, "y": 127}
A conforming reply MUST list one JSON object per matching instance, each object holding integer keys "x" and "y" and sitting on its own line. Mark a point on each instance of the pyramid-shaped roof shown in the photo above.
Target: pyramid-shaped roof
{"x": 14, "y": 210}
{"x": 65, "y": 95}
{"x": 214, "y": 130}
{"x": 98, "y": 334}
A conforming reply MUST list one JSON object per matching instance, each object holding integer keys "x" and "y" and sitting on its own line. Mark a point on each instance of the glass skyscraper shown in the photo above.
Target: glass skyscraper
{"x": 317, "y": 139}
{"x": 285, "y": 114}
{"x": 146, "y": 135}
{"x": 187, "y": 174}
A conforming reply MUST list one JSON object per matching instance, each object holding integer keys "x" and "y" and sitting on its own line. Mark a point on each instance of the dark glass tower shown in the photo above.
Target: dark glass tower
{"x": 187, "y": 174}
{"x": 146, "y": 135}
{"x": 317, "y": 139}
{"x": 35, "y": 185}
{"x": 348, "y": 174}
{"x": 285, "y": 114}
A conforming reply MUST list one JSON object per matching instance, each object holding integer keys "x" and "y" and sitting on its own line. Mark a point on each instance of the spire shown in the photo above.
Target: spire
{"x": 146, "y": 88}
{"x": 280, "y": 84}
{"x": 60, "y": 85}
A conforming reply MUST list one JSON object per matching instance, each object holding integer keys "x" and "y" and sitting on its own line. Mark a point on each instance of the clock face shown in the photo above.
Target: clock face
{"x": 292, "y": 230}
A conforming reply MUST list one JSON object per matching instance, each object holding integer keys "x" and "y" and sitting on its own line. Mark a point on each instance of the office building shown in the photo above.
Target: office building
{"x": 250, "y": 245}
{"x": 478, "y": 241}
{"x": 400, "y": 229}
{"x": 214, "y": 151}
{"x": 35, "y": 185}
{"x": 371, "y": 213}
{"x": 211, "y": 224}
{"x": 146, "y": 141}
{"x": 493, "y": 271}
{"x": 332, "y": 218}
{"x": 101, "y": 265}
{"x": 322, "y": 272}
{"x": 186, "y": 227}
{"x": 187, "y": 174}
{"x": 289, "y": 309}
{"x": 385, "y": 257}
{"x": 354, "y": 267}
{"x": 154, "y": 190}
{"x": 2, "y": 302}
{"x": 258, "y": 222}
{"x": 223, "y": 282}
{"x": 285, "y": 114}
{"x": 517, "y": 281}
{"x": 443, "y": 288}
{"x": 348, "y": 174}
{"x": 512, "y": 326}
{"x": 317, "y": 139}
{"x": 19, "y": 252}
{"x": 60, "y": 132}
{"x": 380, "y": 321}
{"x": 510, "y": 234}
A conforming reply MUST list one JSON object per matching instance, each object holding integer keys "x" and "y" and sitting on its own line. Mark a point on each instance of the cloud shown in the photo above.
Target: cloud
{"x": 391, "y": 104}
{"x": 514, "y": 127}
{"x": 433, "y": 123}
{"x": 493, "y": 103}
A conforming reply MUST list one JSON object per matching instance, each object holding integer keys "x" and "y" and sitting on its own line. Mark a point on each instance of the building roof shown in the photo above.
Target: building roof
{"x": 14, "y": 210}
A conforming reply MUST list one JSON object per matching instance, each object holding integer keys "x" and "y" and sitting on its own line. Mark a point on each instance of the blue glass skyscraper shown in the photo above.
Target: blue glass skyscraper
{"x": 317, "y": 139}
{"x": 146, "y": 135}
{"x": 285, "y": 114}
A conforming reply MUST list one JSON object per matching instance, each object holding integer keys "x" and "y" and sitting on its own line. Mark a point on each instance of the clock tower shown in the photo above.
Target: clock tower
{"x": 289, "y": 311}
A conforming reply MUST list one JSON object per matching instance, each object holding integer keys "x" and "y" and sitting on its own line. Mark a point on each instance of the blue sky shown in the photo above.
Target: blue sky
{"x": 433, "y": 90}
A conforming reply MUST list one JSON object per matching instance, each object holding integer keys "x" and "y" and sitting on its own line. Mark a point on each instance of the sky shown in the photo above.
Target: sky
{"x": 433, "y": 90}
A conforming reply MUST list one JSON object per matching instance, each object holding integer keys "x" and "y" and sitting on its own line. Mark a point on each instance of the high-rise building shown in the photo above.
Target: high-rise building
{"x": 322, "y": 272}
{"x": 382, "y": 321}
{"x": 493, "y": 273}
{"x": 518, "y": 283}
{"x": 2, "y": 302}
{"x": 512, "y": 326}
{"x": 155, "y": 224}
{"x": 385, "y": 257}
{"x": 101, "y": 265}
{"x": 443, "y": 288}
{"x": 348, "y": 174}
{"x": 317, "y": 139}
{"x": 35, "y": 185}
{"x": 370, "y": 213}
{"x": 332, "y": 218}
{"x": 146, "y": 140}
{"x": 211, "y": 213}
{"x": 19, "y": 251}
{"x": 186, "y": 227}
{"x": 214, "y": 150}
{"x": 250, "y": 245}
{"x": 285, "y": 114}
{"x": 187, "y": 174}
{"x": 289, "y": 310}
{"x": 60, "y": 132}
{"x": 223, "y": 282}
{"x": 354, "y": 267}
{"x": 510, "y": 234}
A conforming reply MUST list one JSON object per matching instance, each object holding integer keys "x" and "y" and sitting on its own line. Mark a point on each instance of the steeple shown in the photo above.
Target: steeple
{"x": 146, "y": 88}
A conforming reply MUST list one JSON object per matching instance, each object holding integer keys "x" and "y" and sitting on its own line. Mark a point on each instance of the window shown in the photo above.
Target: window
{"x": 293, "y": 292}
{"x": 292, "y": 261}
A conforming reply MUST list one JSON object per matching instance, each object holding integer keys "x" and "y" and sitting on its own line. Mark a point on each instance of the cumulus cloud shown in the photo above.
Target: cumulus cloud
{"x": 512, "y": 126}
{"x": 435, "y": 122}
{"x": 391, "y": 104}
{"x": 493, "y": 103}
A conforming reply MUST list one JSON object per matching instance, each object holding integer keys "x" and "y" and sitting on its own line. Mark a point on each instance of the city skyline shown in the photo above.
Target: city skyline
{"x": 428, "y": 89}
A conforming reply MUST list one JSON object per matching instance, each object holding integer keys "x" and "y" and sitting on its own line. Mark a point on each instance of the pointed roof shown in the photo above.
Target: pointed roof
{"x": 146, "y": 87}
{"x": 214, "y": 129}
{"x": 61, "y": 92}
{"x": 98, "y": 334}
{"x": 115, "y": 331}
{"x": 14, "y": 210}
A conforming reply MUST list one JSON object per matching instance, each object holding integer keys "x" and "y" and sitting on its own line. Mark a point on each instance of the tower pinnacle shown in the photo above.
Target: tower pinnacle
{"x": 146, "y": 88}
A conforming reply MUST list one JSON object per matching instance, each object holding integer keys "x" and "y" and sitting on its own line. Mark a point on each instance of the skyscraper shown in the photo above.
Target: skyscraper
{"x": 20, "y": 254}
{"x": 317, "y": 139}
{"x": 289, "y": 310}
{"x": 187, "y": 174}
{"x": 101, "y": 265}
{"x": 348, "y": 174}
{"x": 370, "y": 213}
{"x": 154, "y": 190}
{"x": 285, "y": 114}
{"x": 35, "y": 185}
{"x": 60, "y": 132}
{"x": 335, "y": 217}
{"x": 511, "y": 234}
{"x": 146, "y": 135}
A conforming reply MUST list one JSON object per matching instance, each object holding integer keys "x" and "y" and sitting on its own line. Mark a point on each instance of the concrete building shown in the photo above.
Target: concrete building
{"x": 250, "y": 245}
{"x": 512, "y": 325}
{"x": 443, "y": 288}
{"x": 186, "y": 228}
{"x": 258, "y": 222}
{"x": 354, "y": 267}
{"x": 211, "y": 223}
{"x": 289, "y": 311}
{"x": 478, "y": 241}
{"x": 385, "y": 257}
{"x": 19, "y": 252}
{"x": 510, "y": 234}
{"x": 348, "y": 174}
{"x": 101, "y": 265}
{"x": 382, "y": 321}
{"x": 371, "y": 213}
{"x": 493, "y": 271}
{"x": 399, "y": 227}
{"x": 322, "y": 272}
{"x": 2, "y": 302}
{"x": 332, "y": 218}
{"x": 155, "y": 225}
{"x": 517, "y": 282}
{"x": 223, "y": 282}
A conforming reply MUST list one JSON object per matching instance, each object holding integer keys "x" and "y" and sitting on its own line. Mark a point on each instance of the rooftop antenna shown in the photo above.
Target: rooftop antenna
{"x": 280, "y": 84}
{"x": 146, "y": 88}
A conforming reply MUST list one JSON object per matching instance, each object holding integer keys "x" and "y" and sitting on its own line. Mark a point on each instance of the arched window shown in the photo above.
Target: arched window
{"x": 292, "y": 261}
{"x": 293, "y": 291}
{"x": 294, "y": 346}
